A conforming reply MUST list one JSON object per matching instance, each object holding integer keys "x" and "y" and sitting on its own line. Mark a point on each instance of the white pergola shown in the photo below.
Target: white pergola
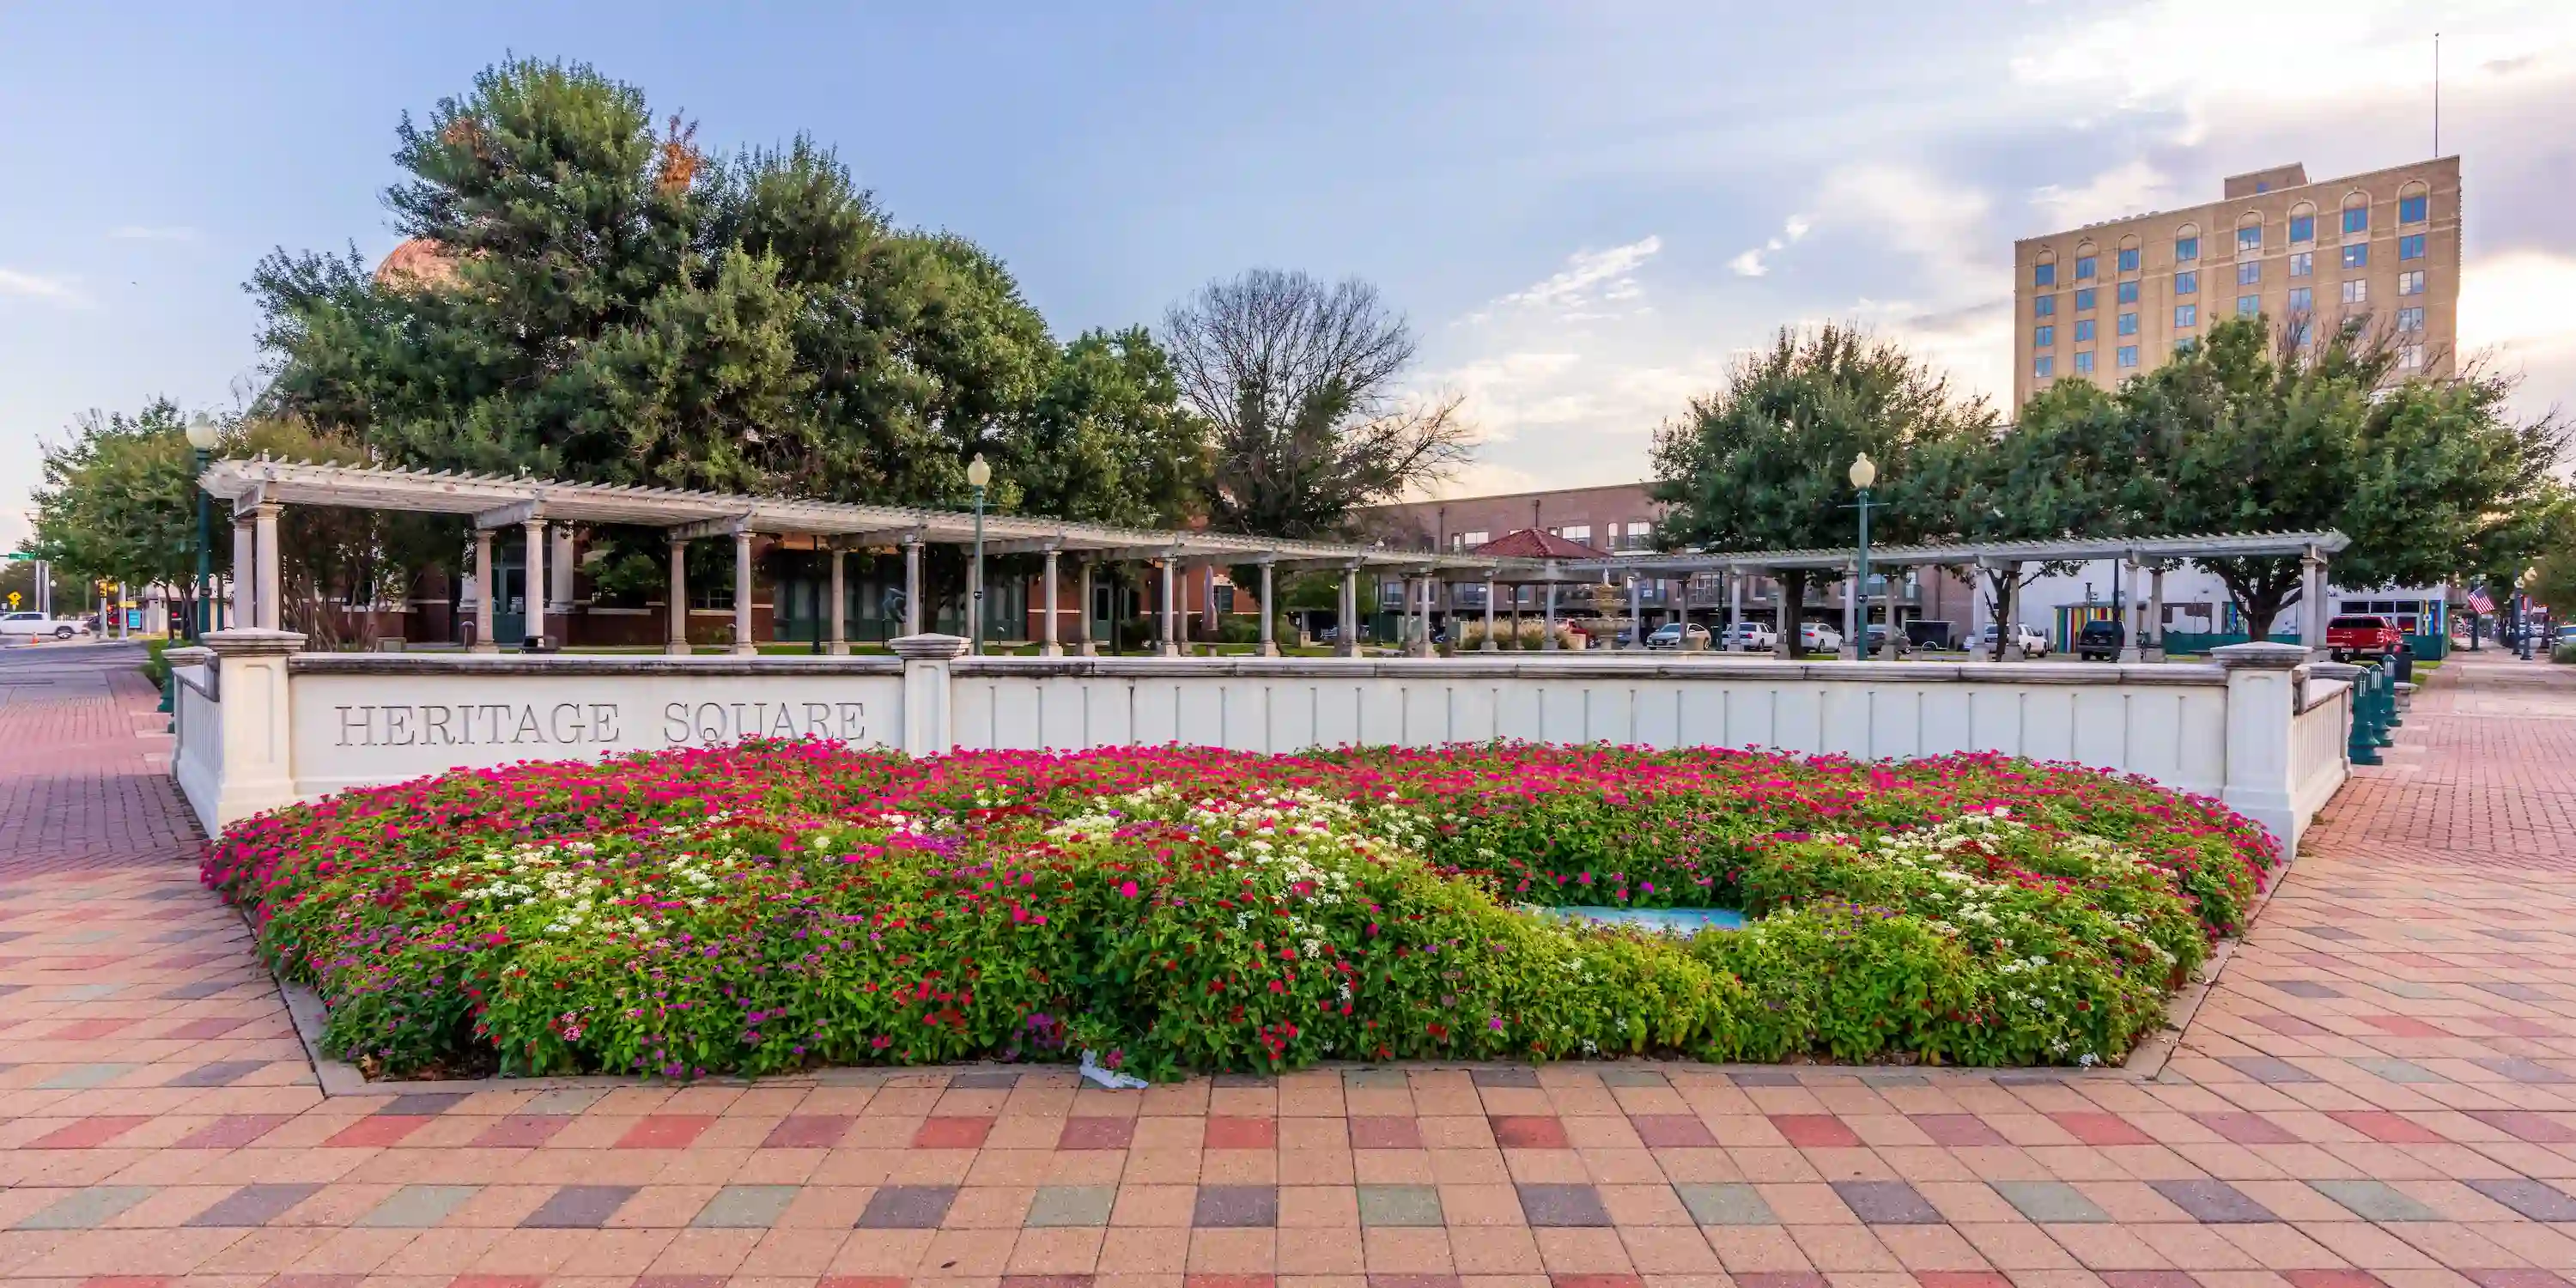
{"x": 258, "y": 488}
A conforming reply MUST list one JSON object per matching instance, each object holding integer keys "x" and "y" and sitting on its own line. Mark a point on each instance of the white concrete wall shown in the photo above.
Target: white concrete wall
{"x": 197, "y": 759}
{"x": 2320, "y": 746}
{"x": 296, "y": 726}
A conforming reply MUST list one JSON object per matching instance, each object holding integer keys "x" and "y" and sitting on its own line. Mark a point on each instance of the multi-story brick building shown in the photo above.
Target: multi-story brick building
{"x": 2115, "y": 299}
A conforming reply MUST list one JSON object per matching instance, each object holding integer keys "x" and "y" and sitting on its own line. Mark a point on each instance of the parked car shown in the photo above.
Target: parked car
{"x": 1677, "y": 635}
{"x": 2357, "y": 635}
{"x": 1816, "y": 637}
{"x": 1753, "y": 635}
{"x": 2033, "y": 642}
{"x": 2100, "y": 641}
{"x": 36, "y": 625}
{"x": 1877, "y": 637}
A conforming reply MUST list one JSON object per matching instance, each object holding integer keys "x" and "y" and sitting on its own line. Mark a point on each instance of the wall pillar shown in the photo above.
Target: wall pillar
{"x": 743, "y": 643}
{"x": 2263, "y": 683}
{"x": 838, "y": 636}
{"x": 1047, "y": 646}
{"x": 533, "y": 579}
{"x": 486, "y": 618}
{"x": 271, "y": 590}
{"x": 928, "y": 720}
{"x": 257, "y": 725}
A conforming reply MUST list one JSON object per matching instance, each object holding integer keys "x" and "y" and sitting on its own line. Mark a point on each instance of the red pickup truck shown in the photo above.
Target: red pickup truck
{"x": 2361, "y": 635}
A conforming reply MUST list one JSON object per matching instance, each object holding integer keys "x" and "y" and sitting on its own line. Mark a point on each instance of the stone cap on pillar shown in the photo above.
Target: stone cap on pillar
{"x": 2259, "y": 654}
{"x": 186, "y": 654}
{"x": 930, "y": 647}
{"x": 251, "y": 642}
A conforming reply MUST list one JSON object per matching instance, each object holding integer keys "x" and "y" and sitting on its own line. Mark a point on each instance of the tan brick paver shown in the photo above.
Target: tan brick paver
{"x": 2380, "y": 1092}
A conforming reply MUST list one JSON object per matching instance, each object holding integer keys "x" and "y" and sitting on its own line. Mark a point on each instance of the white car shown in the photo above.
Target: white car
{"x": 1755, "y": 637}
{"x": 37, "y": 625}
{"x": 1676, "y": 635}
{"x": 2032, "y": 642}
{"x": 1816, "y": 637}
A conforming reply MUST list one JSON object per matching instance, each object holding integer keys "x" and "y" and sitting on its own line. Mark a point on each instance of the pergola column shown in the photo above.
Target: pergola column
{"x": 1734, "y": 610}
{"x": 1269, "y": 614}
{"x": 245, "y": 570}
{"x": 1490, "y": 645}
{"x": 743, "y": 646}
{"x": 838, "y": 637}
{"x": 1637, "y": 613}
{"x": 1171, "y": 608}
{"x": 533, "y": 578}
{"x": 1547, "y": 636}
{"x": 675, "y": 640}
{"x": 1082, "y": 612}
{"x": 1888, "y": 650}
{"x": 2312, "y": 601}
{"x": 1346, "y": 640}
{"x": 559, "y": 574}
{"x": 1422, "y": 647}
{"x": 1851, "y": 613}
{"x": 484, "y": 616}
{"x": 2155, "y": 630}
{"x": 1047, "y": 647}
{"x": 264, "y": 518}
{"x": 912, "y": 586}
{"x": 2132, "y": 635}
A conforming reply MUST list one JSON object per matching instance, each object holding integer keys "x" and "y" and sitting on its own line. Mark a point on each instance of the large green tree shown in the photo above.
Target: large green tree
{"x": 2433, "y": 480}
{"x": 1763, "y": 464}
{"x": 589, "y": 297}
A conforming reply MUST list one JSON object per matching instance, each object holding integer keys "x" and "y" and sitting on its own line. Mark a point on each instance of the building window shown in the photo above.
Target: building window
{"x": 2128, "y": 292}
{"x": 2302, "y": 299}
{"x": 2129, "y": 259}
{"x": 2043, "y": 275}
{"x": 2044, "y": 307}
{"x": 2410, "y": 357}
{"x": 2186, "y": 315}
{"x": 2411, "y": 283}
{"x": 2303, "y": 263}
{"x": 2249, "y": 272}
{"x": 2411, "y": 319}
{"x": 2043, "y": 366}
{"x": 2356, "y": 220}
{"x": 2357, "y": 256}
{"x": 2186, "y": 283}
{"x": 2249, "y": 239}
{"x": 1474, "y": 539}
{"x": 2356, "y": 291}
{"x": 2128, "y": 355}
{"x": 2186, "y": 249}
{"x": 2086, "y": 267}
{"x": 2411, "y": 246}
{"x": 2084, "y": 299}
{"x": 2083, "y": 330}
{"x": 1578, "y": 532}
{"x": 2043, "y": 337}
{"x": 2248, "y": 305}
{"x": 2303, "y": 228}
{"x": 2084, "y": 363}
{"x": 2413, "y": 210}
{"x": 2184, "y": 346}
{"x": 2128, "y": 324}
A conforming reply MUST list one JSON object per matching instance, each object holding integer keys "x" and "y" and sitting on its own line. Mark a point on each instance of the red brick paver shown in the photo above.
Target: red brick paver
{"x": 2380, "y": 1091}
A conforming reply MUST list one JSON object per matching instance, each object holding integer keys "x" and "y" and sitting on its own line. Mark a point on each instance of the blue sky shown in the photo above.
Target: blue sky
{"x": 1586, "y": 209}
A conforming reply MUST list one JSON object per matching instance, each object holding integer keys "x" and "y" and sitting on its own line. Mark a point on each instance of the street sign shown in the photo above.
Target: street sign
{"x": 13, "y": 601}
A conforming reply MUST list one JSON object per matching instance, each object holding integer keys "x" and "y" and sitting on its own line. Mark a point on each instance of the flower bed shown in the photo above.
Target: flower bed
{"x": 774, "y": 906}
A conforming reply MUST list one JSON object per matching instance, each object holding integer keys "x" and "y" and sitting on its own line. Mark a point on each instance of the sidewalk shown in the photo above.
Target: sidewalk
{"x": 2380, "y": 1090}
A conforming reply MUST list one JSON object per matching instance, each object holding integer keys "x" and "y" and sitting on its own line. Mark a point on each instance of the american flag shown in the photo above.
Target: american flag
{"x": 2479, "y": 603}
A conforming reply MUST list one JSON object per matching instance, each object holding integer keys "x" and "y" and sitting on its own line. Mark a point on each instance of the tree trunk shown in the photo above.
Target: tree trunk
{"x": 2005, "y": 583}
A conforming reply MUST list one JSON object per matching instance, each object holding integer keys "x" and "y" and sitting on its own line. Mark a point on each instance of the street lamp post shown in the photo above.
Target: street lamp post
{"x": 202, "y": 436}
{"x": 978, "y": 475}
{"x": 1864, "y": 472}
{"x": 2522, "y": 628}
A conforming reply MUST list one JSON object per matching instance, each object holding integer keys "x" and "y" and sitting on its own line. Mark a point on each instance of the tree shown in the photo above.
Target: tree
{"x": 2428, "y": 478}
{"x": 1763, "y": 463}
{"x": 1299, "y": 382}
{"x": 2073, "y": 466}
{"x": 590, "y": 298}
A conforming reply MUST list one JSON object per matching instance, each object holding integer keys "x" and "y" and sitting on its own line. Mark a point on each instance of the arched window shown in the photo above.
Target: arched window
{"x": 2186, "y": 243}
{"x": 2303, "y": 223}
{"x": 2356, "y": 212}
{"x": 2132, "y": 254}
{"x": 2249, "y": 233}
{"x": 2043, "y": 268}
{"x": 2414, "y": 202}
{"x": 2088, "y": 261}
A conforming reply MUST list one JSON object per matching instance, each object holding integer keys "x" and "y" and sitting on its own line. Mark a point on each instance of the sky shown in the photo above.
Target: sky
{"x": 1585, "y": 210}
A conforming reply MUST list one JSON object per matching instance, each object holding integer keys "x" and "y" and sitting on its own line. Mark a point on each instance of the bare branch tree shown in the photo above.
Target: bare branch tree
{"x": 1299, "y": 380}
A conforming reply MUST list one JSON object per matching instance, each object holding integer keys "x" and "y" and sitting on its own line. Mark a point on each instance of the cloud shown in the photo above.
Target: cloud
{"x": 37, "y": 286}
{"x": 1590, "y": 280}
{"x": 2131, "y": 188}
{"x": 140, "y": 232}
{"x": 1753, "y": 263}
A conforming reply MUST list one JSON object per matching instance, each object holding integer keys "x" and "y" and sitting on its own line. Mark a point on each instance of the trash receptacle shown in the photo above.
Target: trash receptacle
{"x": 2405, "y": 663}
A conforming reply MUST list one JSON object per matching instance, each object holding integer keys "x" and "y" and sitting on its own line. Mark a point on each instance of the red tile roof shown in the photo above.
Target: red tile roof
{"x": 1530, "y": 543}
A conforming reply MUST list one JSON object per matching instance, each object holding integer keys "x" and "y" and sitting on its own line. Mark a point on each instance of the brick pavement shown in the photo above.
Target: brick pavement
{"x": 2381, "y": 1090}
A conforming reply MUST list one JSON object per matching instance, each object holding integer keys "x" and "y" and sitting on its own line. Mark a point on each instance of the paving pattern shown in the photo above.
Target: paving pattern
{"x": 2381, "y": 1090}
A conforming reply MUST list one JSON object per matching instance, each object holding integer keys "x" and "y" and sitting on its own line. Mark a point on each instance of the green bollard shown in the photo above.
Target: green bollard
{"x": 2360, "y": 745}
{"x": 2383, "y": 705}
